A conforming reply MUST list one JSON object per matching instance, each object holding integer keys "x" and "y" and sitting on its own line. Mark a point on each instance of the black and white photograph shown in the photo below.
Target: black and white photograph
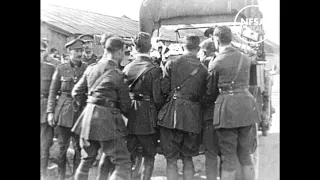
{"x": 160, "y": 90}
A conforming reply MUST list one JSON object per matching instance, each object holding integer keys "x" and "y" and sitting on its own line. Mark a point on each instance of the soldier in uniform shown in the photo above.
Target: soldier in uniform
{"x": 180, "y": 119}
{"x": 65, "y": 111}
{"x": 88, "y": 56}
{"x": 143, "y": 77}
{"x": 46, "y": 134}
{"x": 101, "y": 123}
{"x": 235, "y": 111}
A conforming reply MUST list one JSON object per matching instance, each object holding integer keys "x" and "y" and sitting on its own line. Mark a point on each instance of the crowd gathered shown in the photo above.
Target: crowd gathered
{"x": 151, "y": 99}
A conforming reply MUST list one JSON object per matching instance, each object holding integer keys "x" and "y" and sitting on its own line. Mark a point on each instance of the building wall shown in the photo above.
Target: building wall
{"x": 58, "y": 39}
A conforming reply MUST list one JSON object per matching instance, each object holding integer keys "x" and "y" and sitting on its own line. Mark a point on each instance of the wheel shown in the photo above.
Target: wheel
{"x": 137, "y": 166}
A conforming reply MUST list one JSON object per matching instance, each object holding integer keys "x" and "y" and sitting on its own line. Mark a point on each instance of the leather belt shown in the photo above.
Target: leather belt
{"x": 103, "y": 102}
{"x": 139, "y": 97}
{"x": 177, "y": 96}
{"x": 67, "y": 94}
{"x": 234, "y": 91}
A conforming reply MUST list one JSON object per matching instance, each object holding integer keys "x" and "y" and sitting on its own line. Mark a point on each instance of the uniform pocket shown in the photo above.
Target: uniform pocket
{"x": 217, "y": 112}
{"x": 67, "y": 114}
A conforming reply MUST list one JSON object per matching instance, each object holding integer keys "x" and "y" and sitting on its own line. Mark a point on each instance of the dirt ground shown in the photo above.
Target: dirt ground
{"x": 269, "y": 151}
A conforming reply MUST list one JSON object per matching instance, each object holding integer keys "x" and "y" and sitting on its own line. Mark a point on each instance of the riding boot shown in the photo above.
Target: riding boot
{"x": 188, "y": 168}
{"x": 76, "y": 162}
{"x": 248, "y": 172}
{"x": 121, "y": 172}
{"x": 79, "y": 175}
{"x": 211, "y": 167}
{"x": 105, "y": 168}
{"x": 44, "y": 165}
{"x": 227, "y": 175}
{"x": 172, "y": 170}
{"x": 148, "y": 166}
{"x": 61, "y": 173}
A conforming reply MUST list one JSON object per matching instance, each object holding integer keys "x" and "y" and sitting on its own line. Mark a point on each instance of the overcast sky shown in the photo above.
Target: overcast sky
{"x": 130, "y": 8}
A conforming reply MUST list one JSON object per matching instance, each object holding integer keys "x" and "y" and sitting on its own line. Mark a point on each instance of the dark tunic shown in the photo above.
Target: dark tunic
{"x": 97, "y": 122}
{"x": 143, "y": 112}
{"x": 64, "y": 78}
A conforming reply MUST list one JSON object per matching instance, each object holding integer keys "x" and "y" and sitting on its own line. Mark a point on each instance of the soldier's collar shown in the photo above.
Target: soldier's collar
{"x": 73, "y": 63}
{"x": 225, "y": 49}
{"x": 142, "y": 55}
{"x": 109, "y": 61}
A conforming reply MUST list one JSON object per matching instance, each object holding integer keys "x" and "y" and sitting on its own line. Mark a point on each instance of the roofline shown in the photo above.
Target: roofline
{"x": 90, "y": 12}
{"x": 58, "y": 29}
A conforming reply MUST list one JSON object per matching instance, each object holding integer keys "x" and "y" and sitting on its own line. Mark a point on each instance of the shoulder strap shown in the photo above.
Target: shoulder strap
{"x": 184, "y": 82}
{"x": 238, "y": 69}
{"x": 142, "y": 72}
{"x": 98, "y": 80}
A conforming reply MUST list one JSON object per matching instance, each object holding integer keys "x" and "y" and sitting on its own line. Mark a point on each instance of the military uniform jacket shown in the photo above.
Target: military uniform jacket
{"x": 97, "y": 122}
{"x": 184, "y": 113}
{"x": 143, "y": 113}
{"x": 236, "y": 109}
{"x": 64, "y": 78}
{"x": 47, "y": 71}
{"x": 92, "y": 59}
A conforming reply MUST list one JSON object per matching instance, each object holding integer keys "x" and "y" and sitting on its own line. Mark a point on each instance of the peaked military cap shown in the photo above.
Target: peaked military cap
{"x": 86, "y": 37}
{"x": 209, "y": 31}
{"x": 223, "y": 33}
{"x": 75, "y": 44}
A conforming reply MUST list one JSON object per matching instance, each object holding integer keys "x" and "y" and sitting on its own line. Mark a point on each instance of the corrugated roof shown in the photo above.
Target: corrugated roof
{"x": 83, "y": 22}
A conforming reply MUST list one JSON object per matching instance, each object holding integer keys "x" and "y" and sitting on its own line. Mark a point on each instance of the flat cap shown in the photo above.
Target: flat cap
{"x": 209, "y": 31}
{"x": 223, "y": 33}
{"x": 75, "y": 44}
{"x": 114, "y": 44}
{"x": 142, "y": 38}
{"x": 86, "y": 37}
{"x": 191, "y": 40}
{"x": 208, "y": 45}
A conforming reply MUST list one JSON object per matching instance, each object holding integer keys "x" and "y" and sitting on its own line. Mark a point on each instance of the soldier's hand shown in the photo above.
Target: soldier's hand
{"x": 51, "y": 119}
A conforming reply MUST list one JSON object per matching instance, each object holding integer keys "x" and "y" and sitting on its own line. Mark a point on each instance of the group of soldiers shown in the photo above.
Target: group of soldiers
{"x": 183, "y": 103}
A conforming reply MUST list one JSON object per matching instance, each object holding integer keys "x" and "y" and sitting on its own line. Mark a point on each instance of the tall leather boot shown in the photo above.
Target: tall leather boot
{"x": 121, "y": 172}
{"x": 105, "y": 168}
{"x": 76, "y": 161}
{"x": 227, "y": 175}
{"x": 248, "y": 172}
{"x": 44, "y": 165}
{"x": 148, "y": 166}
{"x": 79, "y": 175}
{"x": 188, "y": 168}
{"x": 61, "y": 173}
{"x": 172, "y": 170}
{"x": 211, "y": 167}
{"x": 62, "y": 166}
